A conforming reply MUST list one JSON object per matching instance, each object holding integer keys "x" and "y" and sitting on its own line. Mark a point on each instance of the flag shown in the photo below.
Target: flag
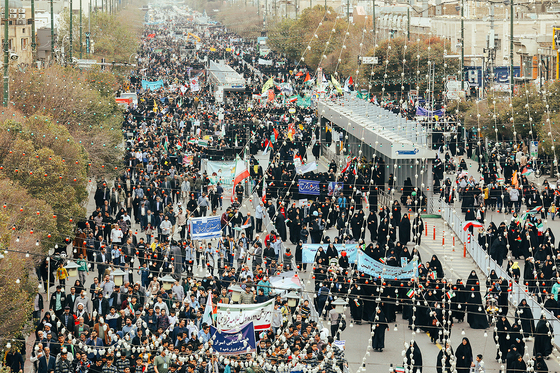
{"x": 207, "y": 318}
{"x": 276, "y": 134}
{"x": 266, "y": 146}
{"x": 410, "y": 293}
{"x": 348, "y": 84}
{"x": 307, "y": 77}
{"x": 151, "y": 36}
{"x": 247, "y": 223}
{"x": 269, "y": 83}
{"x": 155, "y": 107}
{"x": 241, "y": 173}
{"x": 382, "y": 260}
{"x": 450, "y": 294}
{"x": 535, "y": 210}
{"x": 472, "y": 223}
{"x": 336, "y": 84}
{"x": 294, "y": 98}
{"x": 526, "y": 171}
{"x": 179, "y": 144}
{"x": 270, "y": 95}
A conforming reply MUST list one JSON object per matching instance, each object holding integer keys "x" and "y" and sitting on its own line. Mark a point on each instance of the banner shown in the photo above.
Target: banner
{"x": 335, "y": 188}
{"x": 206, "y": 227}
{"x": 377, "y": 269}
{"x": 309, "y": 187}
{"x": 262, "y": 61}
{"x": 234, "y": 342}
{"x": 222, "y": 172}
{"x": 152, "y": 85}
{"x": 306, "y": 168}
{"x": 309, "y": 251}
{"x": 195, "y": 87}
{"x": 420, "y": 111}
{"x": 232, "y": 316}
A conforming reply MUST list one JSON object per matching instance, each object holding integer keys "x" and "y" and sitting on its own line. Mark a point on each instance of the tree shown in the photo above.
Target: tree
{"x": 412, "y": 59}
{"x": 83, "y": 102}
{"x": 18, "y": 217}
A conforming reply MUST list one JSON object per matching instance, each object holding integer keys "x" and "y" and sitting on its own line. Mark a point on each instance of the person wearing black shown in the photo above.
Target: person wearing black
{"x": 379, "y": 327}
{"x": 443, "y": 362}
{"x": 543, "y": 341}
{"x": 413, "y": 353}
{"x": 372, "y": 225}
{"x": 464, "y": 356}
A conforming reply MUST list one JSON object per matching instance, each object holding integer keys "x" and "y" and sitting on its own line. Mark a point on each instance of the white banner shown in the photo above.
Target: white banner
{"x": 306, "y": 168}
{"x": 231, "y": 316}
{"x": 265, "y": 62}
{"x": 195, "y": 87}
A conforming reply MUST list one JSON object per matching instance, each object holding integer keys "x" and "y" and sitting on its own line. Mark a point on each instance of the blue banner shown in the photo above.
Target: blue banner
{"x": 152, "y": 85}
{"x": 379, "y": 270}
{"x": 206, "y": 227}
{"x": 420, "y": 111}
{"x": 234, "y": 342}
{"x": 309, "y": 187}
{"x": 308, "y": 251}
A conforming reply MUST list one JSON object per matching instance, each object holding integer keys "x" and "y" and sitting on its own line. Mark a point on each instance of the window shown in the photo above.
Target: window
{"x": 24, "y": 43}
{"x": 23, "y": 30}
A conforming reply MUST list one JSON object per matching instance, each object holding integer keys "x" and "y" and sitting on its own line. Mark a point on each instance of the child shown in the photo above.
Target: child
{"x": 61, "y": 275}
{"x": 552, "y": 211}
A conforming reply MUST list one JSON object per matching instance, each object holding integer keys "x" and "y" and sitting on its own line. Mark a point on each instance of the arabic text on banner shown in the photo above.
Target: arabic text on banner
{"x": 309, "y": 251}
{"x": 232, "y": 316}
{"x": 234, "y": 342}
{"x": 376, "y": 269}
{"x": 309, "y": 187}
{"x": 152, "y": 85}
{"x": 206, "y": 227}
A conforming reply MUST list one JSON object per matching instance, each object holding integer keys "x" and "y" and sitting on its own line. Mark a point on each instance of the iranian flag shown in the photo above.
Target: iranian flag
{"x": 534, "y": 210}
{"x": 208, "y": 311}
{"x": 241, "y": 173}
{"x": 472, "y": 223}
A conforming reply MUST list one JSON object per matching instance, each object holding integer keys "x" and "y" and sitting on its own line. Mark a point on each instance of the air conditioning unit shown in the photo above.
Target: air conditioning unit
{"x": 21, "y": 22}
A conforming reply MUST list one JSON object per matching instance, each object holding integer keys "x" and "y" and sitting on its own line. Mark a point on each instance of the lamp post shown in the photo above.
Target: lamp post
{"x": 72, "y": 268}
{"x": 6, "y": 55}
{"x": 168, "y": 282}
{"x": 81, "y": 45}
{"x": 70, "y": 38}
{"x": 118, "y": 276}
{"x": 52, "y": 30}
{"x": 293, "y": 299}
{"x": 339, "y": 305}
{"x": 462, "y": 44}
{"x": 511, "y": 46}
{"x": 236, "y": 291}
{"x": 33, "y": 41}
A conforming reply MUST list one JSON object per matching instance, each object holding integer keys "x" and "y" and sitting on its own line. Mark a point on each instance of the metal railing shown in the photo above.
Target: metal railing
{"x": 487, "y": 264}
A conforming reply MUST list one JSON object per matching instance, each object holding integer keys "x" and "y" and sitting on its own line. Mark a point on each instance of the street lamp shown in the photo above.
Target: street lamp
{"x": 293, "y": 299}
{"x": 168, "y": 282}
{"x": 118, "y": 276}
{"x": 339, "y": 305}
{"x": 236, "y": 291}
{"x": 72, "y": 268}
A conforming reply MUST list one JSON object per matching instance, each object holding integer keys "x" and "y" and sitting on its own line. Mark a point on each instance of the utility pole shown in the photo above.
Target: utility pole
{"x": 347, "y": 10}
{"x": 373, "y": 15}
{"x": 296, "y": 8}
{"x": 33, "y": 41}
{"x": 81, "y": 45}
{"x": 70, "y": 39}
{"x": 408, "y": 23}
{"x": 511, "y": 46}
{"x": 462, "y": 45}
{"x": 258, "y": 7}
{"x": 6, "y": 55}
{"x": 52, "y": 30}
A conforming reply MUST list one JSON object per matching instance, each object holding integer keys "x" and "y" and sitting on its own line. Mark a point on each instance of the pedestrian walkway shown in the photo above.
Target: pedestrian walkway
{"x": 438, "y": 239}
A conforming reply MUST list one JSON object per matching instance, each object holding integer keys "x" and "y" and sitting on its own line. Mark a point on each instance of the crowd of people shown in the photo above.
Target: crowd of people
{"x": 140, "y": 225}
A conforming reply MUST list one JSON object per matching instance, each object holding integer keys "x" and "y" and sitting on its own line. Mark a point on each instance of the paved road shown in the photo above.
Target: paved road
{"x": 358, "y": 337}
